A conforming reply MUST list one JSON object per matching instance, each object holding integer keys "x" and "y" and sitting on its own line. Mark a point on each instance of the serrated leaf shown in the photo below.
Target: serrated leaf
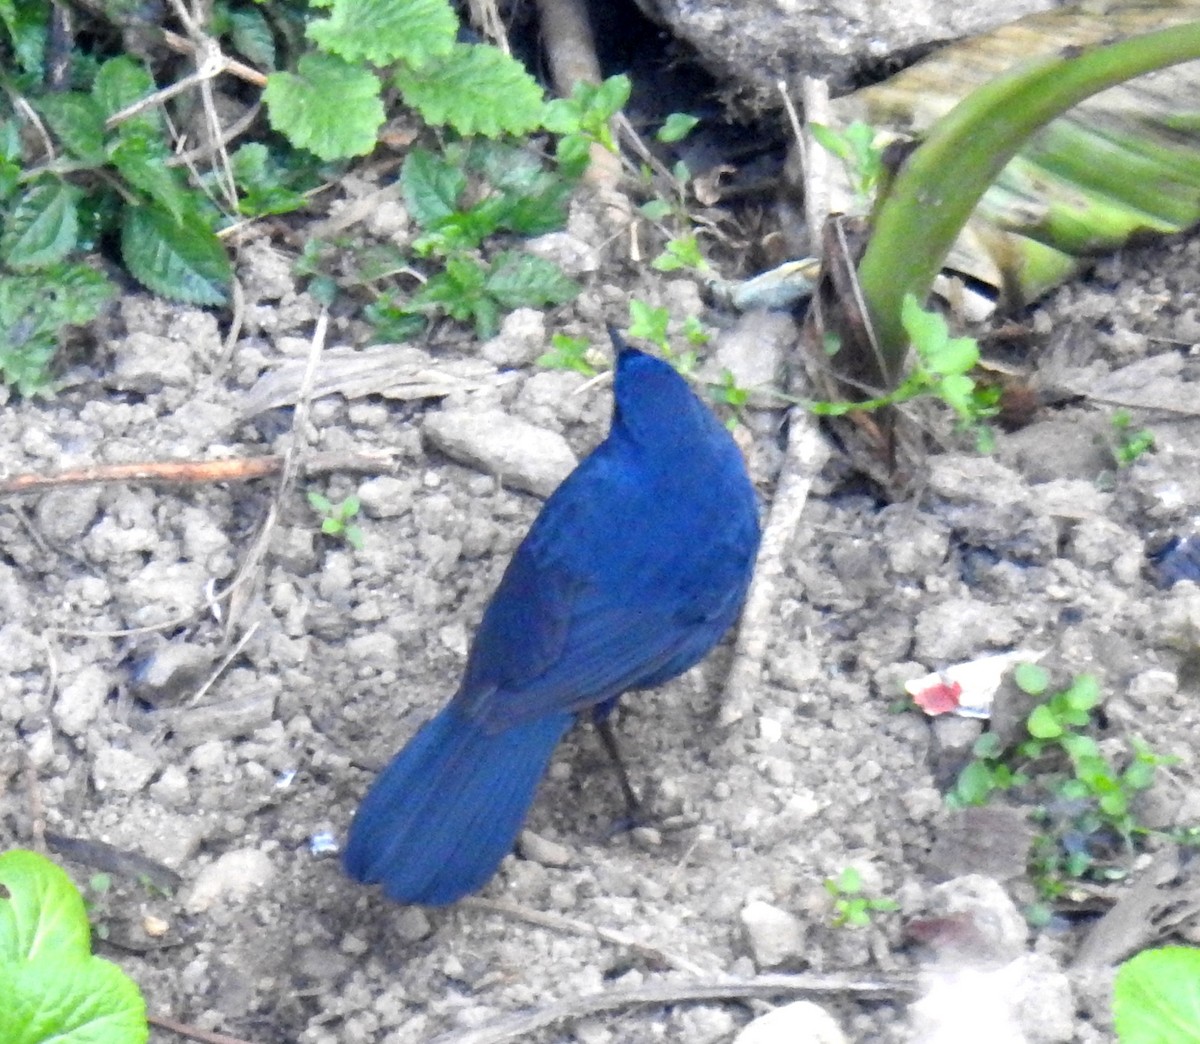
{"x": 431, "y": 187}
{"x": 387, "y": 31}
{"x": 42, "y": 226}
{"x": 180, "y": 260}
{"x": 77, "y": 121}
{"x": 119, "y": 83}
{"x": 141, "y": 162}
{"x": 1156, "y": 997}
{"x": 519, "y": 280}
{"x": 476, "y": 89}
{"x": 327, "y": 106}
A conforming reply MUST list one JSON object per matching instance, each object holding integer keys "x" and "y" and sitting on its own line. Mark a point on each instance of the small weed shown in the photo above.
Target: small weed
{"x": 337, "y": 520}
{"x": 1156, "y": 997}
{"x": 1083, "y": 802}
{"x": 851, "y": 908}
{"x": 568, "y": 353}
{"x": 941, "y": 368}
{"x": 862, "y": 158}
{"x": 1129, "y": 444}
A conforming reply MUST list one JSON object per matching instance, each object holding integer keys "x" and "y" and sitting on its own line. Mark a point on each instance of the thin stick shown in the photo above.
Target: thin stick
{"x": 196, "y": 472}
{"x": 192, "y": 1032}
{"x": 764, "y": 987}
{"x": 576, "y": 927}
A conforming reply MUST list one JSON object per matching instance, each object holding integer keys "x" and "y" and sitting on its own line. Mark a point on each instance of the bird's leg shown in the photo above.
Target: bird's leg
{"x": 633, "y": 807}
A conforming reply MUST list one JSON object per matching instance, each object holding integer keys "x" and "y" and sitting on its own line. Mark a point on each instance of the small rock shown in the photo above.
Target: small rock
{"x": 753, "y": 352}
{"x": 525, "y": 457}
{"x": 573, "y": 255}
{"x": 522, "y": 338}
{"x": 412, "y": 924}
{"x": 232, "y": 879}
{"x": 386, "y": 497}
{"x": 171, "y": 671}
{"x": 992, "y": 840}
{"x": 64, "y": 515}
{"x": 774, "y": 935}
{"x": 801, "y": 1022}
{"x": 122, "y": 771}
{"x": 194, "y": 726}
{"x": 972, "y": 920}
{"x": 538, "y": 849}
{"x": 80, "y": 700}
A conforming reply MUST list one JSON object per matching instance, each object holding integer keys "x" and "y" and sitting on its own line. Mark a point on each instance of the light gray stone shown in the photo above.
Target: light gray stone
{"x": 801, "y": 1022}
{"x": 775, "y": 936}
{"x": 523, "y": 456}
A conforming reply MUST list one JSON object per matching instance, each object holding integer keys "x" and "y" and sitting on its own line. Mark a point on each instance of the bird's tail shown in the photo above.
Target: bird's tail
{"x": 438, "y": 820}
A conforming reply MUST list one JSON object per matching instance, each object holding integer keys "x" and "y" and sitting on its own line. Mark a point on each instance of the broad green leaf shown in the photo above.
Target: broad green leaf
{"x": 1156, "y": 997}
{"x": 431, "y": 187}
{"x": 141, "y": 161}
{"x": 119, "y": 83}
{"x": 43, "y": 916}
{"x": 476, "y": 89}
{"x": 1031, "y": 678}
{"x": 387, "y": 31}
{"x": 1084, "y": 694}
{"x": 180, "y": 260}
{"x": 42, "y": 226}
{"x": 327, "y": 106}
{"x": 519, "y": 280}
{"x": 77, "y": 121}
{"x": 1042, "y": 723}
{"x": 53, "y": 988}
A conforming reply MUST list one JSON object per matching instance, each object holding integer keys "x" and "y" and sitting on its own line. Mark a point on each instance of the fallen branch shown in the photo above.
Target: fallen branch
{"x": 197, "y": 472}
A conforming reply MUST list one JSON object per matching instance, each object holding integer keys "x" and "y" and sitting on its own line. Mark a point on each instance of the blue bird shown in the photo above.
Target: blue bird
{"x": 634, "y": 569}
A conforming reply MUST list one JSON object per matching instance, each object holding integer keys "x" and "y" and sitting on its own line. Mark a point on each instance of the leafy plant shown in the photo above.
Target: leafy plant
{"x": 852, "y": 908}
{"x": 584, "y": 119}
{"x": 337, "y": 520}
{"x": 52, "y": 985}
{"x": 568, "y": 353}
{"x": 332, "y": 103}
{"x": 1129, "y": 444}
{"x": 1083, "y": 802}
{"x": 856, "y": 148}
{"x": 941, "y": 367}
{"x": 1156, "y": 997}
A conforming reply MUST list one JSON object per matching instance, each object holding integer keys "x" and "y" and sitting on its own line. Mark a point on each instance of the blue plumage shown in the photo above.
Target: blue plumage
{"x": 636, "y": 566}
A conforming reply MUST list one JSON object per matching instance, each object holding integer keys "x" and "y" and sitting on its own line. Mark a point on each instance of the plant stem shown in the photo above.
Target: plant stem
{"x": 937, "y": 188}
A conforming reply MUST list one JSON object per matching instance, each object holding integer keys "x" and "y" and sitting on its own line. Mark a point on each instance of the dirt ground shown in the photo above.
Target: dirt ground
{"x": 229, "y": 739}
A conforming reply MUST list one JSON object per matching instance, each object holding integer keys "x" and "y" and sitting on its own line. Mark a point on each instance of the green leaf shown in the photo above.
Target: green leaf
{"x": 53, "y": 988}
{"x": 476, "y": 89}
{"x": 77, "y": 122}
{"x": 180, "y": 260}
{"x": 1031, "y": 678}
{"x": 431, "y": 187}
{"x": 974, "y": 783}
{"x": 387, "y": 31}
{"x": 252, "y": 37}
{"x": 42, "y": 226}
{"x": 1043, "y": 724}
{"x": 119, "y": 83}
{"x": 1156, "y": 997}
{"x": 141, "y": 162}
{"x": 677, "y": 127}
{"x": 28, "y": 26}
{"x": 1084, "y": 694}
{"x": 327, "y": 106}
{"x": 43, "y": 916}
{"x": 519, "y": 280}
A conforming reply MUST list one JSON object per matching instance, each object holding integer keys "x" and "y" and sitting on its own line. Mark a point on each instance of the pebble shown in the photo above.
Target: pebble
{"x": 801, "y": 1022}
{"x": 538, "y": 849}
{"x": 524, "y": 456}
{"x": 231, "y": 879}
{"x": 80, "y": 700}
{"x": 775, "y": 936}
